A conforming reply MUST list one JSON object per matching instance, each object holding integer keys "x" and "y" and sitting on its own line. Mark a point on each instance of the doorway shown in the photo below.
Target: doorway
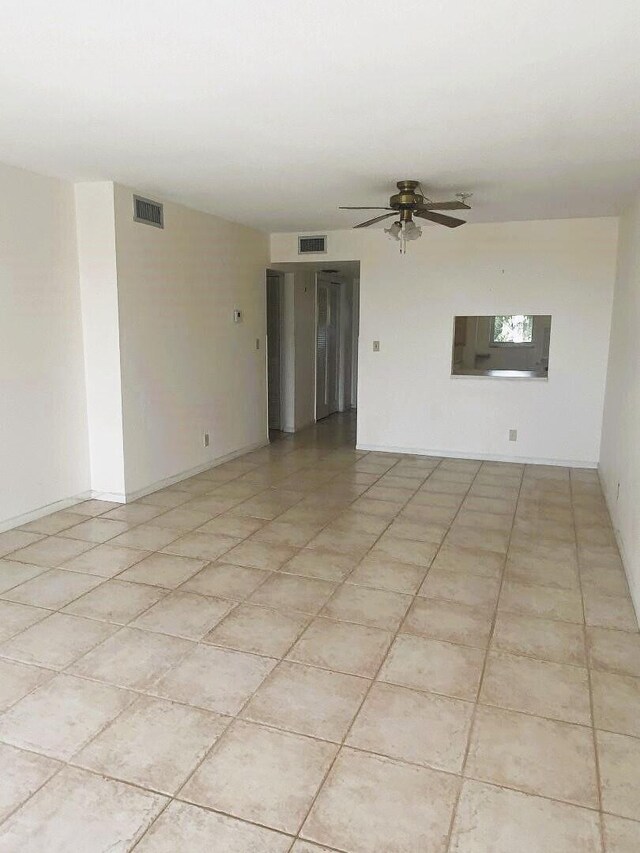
{"x": 274, "y": 348}
{"x": 327, "y": 348}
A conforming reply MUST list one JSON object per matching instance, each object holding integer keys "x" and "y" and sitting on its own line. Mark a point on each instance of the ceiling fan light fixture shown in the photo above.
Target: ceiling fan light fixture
{"x": 411, "y": 231}
{"x": 403, "y": 231}
{"x": 394, "y": 230}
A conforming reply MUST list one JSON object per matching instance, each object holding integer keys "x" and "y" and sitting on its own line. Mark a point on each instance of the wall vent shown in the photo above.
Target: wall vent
{"x": 315, "y": 245}
{"x": 147, "y": 211}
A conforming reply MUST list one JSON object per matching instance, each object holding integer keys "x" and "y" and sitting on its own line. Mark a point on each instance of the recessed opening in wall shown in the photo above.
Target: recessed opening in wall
{"x": 511, "y": 346}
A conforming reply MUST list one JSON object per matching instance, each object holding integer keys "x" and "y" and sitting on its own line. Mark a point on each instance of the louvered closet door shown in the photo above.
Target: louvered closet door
{"x": 273, "y": 349}
{"x": 321, "y": 350}
{"x": 333, "y": 344}
{"x": 327, "y": 349}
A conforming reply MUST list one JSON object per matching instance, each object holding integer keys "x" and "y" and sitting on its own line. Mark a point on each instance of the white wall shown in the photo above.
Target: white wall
{"x": 95, "y": 218}
{"x": 620, "y": 451}
{"x": 407, "y": 399}
{"x": 187, "y": 367}
{"x": 43, "y": 444}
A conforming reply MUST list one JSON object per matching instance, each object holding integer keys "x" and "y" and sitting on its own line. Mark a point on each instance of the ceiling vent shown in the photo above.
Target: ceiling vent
{"x": 311, "y": 245}
{"x": 147, "y": 211}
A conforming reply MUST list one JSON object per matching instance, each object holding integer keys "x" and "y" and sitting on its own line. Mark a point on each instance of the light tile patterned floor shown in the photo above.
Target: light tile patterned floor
{"x": 312, "y": 648}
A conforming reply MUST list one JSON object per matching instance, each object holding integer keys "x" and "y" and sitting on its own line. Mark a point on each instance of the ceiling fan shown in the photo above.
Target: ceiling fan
{"x": 411, "y": 201}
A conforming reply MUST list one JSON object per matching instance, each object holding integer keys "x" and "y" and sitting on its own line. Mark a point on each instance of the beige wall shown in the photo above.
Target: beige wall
{"x": 187, "y": 367}
{"x": 43, "y": 435}
{"x": 620, "y": 451}
{"x": 163, "y": 359}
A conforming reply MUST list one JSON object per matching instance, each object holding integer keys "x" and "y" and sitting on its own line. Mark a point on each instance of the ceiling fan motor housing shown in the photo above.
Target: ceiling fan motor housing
{"x": 407, "y": 197}
{"x": 408, "y": 202}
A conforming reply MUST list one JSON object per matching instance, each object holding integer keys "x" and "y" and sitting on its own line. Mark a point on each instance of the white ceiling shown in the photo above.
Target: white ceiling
{"x": 274, "y": 112}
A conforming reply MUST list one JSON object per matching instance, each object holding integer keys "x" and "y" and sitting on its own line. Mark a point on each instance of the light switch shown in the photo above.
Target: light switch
{"x": 237, "y": 315}
{"x": 376, "y": 346}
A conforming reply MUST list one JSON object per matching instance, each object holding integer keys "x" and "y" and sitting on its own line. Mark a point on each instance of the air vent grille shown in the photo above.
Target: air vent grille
{"x": 314, "y": 245}
{"x": 147, "y": 211}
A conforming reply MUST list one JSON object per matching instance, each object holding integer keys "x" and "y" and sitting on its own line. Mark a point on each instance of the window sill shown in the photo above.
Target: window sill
{"x": 495, "y": 345}
{"x": 517, "y": 375}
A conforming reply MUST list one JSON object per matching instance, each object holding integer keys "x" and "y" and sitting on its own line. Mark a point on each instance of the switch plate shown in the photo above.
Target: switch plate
{"x": 376, "y": 346}
{"x": 513, "y": 435}
{"x": 237, "y": 315}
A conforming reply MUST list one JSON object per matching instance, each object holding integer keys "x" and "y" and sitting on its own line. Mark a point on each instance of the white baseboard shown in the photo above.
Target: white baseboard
{"x": 634, "y": 589}
{"x": 488, "y": 457}
{"x": 34, "y": 514}
{"x": 113, "y": 497}
{"x": 119, "y": 497}
{"x": 184, "y": 475}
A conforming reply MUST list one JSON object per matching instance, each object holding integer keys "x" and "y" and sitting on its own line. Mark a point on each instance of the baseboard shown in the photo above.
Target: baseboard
{"x": 184, "y": 475}
{"x": 34, "y": 514}
{"x": 488, "y": 457}
{"x": 113, "y": 497}
{"x": 120, "y": 497}
{"x": 634, "y": 589}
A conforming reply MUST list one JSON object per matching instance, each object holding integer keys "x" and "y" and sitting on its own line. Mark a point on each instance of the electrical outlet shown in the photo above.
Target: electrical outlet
{"x": 513, "y": 435}
{"x": 376, "y": 346}
{"x": 205, "y": 439}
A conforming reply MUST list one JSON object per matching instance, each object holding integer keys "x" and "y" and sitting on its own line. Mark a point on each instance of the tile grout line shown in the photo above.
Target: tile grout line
{"x": 384, "y": 659}
{"x": 389, "y": 759}
{"x": 589, "y": 680}
{"x": 119, "y": 625}
{"x": 139, "y": 692}
{"x": 282, "y": 658}
{"x": 237, "y": 716}
{"x": 232, "y": 719}
{"x": 454, "y": 812}
{"x": 236, "y": 603}
{"x": 135, "y": 693}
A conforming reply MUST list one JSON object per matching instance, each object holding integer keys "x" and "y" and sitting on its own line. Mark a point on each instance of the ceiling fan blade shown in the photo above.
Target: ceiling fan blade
{"x": 375, "y": 219}
{"x": 449, "y": 221}
{"x": 444, "y": 205}
{"x": 365, "y": 208}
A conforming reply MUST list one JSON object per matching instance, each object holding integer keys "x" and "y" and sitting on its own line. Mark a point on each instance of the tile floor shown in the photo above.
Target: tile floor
{"x": 312, "y": 648}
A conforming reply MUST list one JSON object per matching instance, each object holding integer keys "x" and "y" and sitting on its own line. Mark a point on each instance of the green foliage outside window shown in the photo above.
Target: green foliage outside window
{"x": 512, "y": 329}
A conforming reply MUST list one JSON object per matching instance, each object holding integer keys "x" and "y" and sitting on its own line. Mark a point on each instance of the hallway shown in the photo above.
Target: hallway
{"x": 313, "y": 645}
